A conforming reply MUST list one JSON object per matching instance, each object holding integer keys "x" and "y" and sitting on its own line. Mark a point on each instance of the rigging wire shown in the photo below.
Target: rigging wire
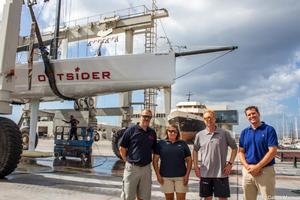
{"x": 87, "y": 38}
{"x": 67, "y": 14}
{"x": 168, "y": 41}
{"x": 203, "y": 65}
{"x": 21, "y": 55}
{"x": 41, "y": 9}
{"x": 70, "y": 7}
{"x": 65, "y": 3}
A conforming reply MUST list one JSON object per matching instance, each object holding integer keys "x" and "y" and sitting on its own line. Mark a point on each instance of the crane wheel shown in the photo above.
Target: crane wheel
{"x": 90, "y": 102}
{"x": 10, "y": 146}
{"x": 115, "y": 141}
{"x": 25, "y": 139}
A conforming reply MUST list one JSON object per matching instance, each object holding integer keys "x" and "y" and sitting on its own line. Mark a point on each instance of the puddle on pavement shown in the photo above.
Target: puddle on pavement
{"x": 104, "y": 165}
{"x": 31, "y": 165}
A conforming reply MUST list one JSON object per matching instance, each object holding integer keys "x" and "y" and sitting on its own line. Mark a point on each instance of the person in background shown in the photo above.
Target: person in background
{"x": 257, "y": 149}
{"x": 213, "y": 172}
{"x": 175, "y": 166}
{"x": 136, "y": 147}
{"x": 73, "y": 131}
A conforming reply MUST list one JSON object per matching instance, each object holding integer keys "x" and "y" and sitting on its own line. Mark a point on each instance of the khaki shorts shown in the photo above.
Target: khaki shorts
{"x": 174, "y": 184}
{"x": 136, "y": 182}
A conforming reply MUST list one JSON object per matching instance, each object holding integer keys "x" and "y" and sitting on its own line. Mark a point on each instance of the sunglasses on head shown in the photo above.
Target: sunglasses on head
{"x": 147, "y": 116}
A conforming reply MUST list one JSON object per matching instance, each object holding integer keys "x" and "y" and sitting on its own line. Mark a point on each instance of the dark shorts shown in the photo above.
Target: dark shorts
{"x": 217, "y": 186}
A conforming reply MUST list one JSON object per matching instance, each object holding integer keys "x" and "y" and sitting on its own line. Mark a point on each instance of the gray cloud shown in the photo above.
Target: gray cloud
{"x": 266, "y": 33}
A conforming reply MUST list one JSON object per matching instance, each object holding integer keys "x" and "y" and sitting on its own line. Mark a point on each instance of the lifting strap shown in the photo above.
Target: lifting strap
{"x": 49, "y": 70}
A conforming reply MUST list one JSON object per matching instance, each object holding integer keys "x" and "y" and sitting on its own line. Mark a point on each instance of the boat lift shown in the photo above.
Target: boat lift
{"x": 73, "y": 78}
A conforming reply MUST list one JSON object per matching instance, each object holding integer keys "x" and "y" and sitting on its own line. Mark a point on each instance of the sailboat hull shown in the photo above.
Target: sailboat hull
{"x": 81, "y": 77}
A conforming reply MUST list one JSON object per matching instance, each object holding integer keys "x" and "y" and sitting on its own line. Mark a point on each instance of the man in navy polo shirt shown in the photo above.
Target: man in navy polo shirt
{"x": 258, "y": 147}
{"x": 136, "y": 148}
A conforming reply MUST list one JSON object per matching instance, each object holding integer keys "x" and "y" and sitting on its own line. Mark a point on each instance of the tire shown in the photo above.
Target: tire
{"x": 56, "y": 155}
{"x": 82, "y": 157}
{"x": 115, "y": 141}
{"x": 89, "y": 102}
{"x": 25, "y": 139}
{"x": 79, "y": 104}
{"x": 96, "y": 137}
{"x": 10, "y": 146}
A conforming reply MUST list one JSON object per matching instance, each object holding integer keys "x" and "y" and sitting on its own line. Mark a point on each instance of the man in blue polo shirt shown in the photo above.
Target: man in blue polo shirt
{"x": 136, "y": 148}
{"x": 258, "y": 147}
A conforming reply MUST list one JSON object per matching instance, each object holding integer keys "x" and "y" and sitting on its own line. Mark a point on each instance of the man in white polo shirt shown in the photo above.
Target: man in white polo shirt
{"x": 213, "y": 172}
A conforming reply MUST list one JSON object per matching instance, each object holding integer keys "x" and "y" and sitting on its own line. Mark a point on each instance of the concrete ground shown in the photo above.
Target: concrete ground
{"x": 54, "y": 179}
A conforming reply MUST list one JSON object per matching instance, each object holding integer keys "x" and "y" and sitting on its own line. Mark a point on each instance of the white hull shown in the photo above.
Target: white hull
{"x": 92, "y": 76}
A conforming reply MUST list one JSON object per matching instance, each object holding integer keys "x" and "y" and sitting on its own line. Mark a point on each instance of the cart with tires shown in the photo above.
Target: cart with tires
{"x": 81, "y": 148}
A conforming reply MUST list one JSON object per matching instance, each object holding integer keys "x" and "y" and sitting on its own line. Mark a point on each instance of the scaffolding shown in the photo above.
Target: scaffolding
{"x": 150, "y": 94}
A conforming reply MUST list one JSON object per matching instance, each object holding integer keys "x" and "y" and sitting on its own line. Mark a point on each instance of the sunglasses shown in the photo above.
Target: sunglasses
{"x": 206, "y": 118}
{"x": 147, "y": 116}
{"x": 172, "y": 131}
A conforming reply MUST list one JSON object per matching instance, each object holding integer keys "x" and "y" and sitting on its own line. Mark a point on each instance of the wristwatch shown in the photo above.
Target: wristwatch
{"x": 230, "y": 163}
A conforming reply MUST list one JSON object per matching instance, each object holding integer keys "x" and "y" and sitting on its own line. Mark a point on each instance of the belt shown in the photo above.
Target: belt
{"x": 137, "y": 164}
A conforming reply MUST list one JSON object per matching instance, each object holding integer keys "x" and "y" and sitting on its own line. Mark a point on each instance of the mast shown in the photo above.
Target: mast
{"x": 189, "y": 96}
{"x": 283, "y": 126}
{"x": 54, "y": 45}
{"x": 296, "y": 128}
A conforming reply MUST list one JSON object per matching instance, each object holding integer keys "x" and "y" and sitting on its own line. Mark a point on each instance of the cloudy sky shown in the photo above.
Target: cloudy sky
{"x": 264, "y": 71}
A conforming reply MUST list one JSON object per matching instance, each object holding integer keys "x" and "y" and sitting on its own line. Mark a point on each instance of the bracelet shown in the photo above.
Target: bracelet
{"x": 230, "y": 163}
